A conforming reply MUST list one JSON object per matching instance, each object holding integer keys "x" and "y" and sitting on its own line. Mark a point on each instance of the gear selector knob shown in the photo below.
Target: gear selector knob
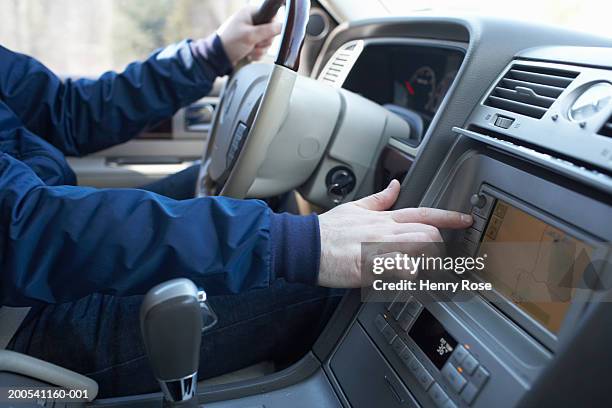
{"x": 171, "y": 325}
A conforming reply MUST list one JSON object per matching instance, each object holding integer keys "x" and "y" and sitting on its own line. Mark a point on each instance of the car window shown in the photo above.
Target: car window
{"x": 585, "y": 15}
{"x": 89, "y": 37}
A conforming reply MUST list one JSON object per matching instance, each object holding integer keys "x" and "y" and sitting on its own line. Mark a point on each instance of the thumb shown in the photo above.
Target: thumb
{"x": 382, "y": 200}
{"x": 265, "y": 32}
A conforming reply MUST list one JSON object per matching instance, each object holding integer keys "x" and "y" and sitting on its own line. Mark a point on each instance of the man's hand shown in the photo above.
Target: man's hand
{"x": 241, "y": 39}
{"x": 344, "y": 228}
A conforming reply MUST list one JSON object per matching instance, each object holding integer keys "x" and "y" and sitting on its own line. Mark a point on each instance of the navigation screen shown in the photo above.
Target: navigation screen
{"x": 537, "y": 268}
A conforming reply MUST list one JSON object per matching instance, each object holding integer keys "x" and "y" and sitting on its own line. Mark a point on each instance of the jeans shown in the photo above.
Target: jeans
{"x": 99, "y": 335}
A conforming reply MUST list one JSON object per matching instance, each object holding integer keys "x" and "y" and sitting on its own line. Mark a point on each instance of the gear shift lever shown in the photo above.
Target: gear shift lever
{"x": 171, "y": 325}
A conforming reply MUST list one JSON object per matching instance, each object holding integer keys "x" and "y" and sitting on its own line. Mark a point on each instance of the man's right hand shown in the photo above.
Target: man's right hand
{"x": 347, "y": 226}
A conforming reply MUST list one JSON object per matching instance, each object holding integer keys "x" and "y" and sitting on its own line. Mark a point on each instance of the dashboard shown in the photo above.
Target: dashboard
{"x": 411, "y": 80}
{"x": 516, "y": 131}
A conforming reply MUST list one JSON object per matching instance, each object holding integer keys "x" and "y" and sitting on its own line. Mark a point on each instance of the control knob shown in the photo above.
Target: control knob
{"x": 478, "y": 200}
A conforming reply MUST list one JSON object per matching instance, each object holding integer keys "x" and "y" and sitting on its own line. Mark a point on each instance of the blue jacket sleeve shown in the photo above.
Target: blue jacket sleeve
{"x": 84, "y": 116}
{"x": 58, "y": 244}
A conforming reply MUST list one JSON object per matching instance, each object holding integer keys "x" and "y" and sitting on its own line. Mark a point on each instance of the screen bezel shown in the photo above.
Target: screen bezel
{"x": 506, "y": 305}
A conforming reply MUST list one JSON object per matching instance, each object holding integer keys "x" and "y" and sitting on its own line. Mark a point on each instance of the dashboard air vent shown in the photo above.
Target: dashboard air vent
{"x": 339, "y": 66}
{"x": 606, "y": 129}
{"x": 529, "y": 90}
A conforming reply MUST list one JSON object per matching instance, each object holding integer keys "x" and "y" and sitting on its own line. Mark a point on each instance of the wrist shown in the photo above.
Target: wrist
{"x": 211, "y": 52}
{"x": 296, "y": 247}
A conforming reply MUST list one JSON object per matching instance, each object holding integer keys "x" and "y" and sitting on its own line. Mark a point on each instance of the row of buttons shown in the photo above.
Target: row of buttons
{"x": 423, "y": 377}
{"x": 482, "y": 204}
{"x": 384, "y": 327}
{"x": 464, "y": 374}
{"x": 496, "y": 220}
{"x": 239, "y": 136}
{"x": 421, "y": 374}
{"x": 404, "y": 310}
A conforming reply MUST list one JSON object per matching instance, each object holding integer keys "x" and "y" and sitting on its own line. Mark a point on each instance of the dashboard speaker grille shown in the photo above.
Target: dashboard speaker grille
{"x": 606, "y": 129}
{"x": 529, "y": 90}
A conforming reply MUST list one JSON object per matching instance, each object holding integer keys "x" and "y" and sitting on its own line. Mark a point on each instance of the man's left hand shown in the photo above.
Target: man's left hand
{"x": 241, "y": 39}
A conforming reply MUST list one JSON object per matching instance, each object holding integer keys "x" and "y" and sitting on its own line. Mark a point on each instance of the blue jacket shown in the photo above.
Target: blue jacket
{"x": 59, "y": 242}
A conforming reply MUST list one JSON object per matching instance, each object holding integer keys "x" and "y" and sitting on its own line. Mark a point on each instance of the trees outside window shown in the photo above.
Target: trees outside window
{"x": 88, "y": 37}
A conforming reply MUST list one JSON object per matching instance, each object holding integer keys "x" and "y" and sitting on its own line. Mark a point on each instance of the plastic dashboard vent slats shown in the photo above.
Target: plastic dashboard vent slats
{"x": 340, "y": 64}
{"x": 529, "y": 90}
{"x": 606, "y": 129}
{"x": 336, "y": 67}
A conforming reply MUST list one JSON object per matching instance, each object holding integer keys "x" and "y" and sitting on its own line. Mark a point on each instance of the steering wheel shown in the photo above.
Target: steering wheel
{"x": 252, "y": 109}
{"x": 275, "y": 131}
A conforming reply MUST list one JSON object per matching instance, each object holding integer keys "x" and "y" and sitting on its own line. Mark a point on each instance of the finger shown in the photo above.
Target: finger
{"x": 403, "y": 244}
{"x": 264, "y": 44}
{"x": 433, "y": 216}
{"x": 432, "y": 232}
{"x": 256, "y": 55}
{"x": 413, "y": 238}
{"x": 382, "y": 200}
{"x": 419, "y": 244}
{"x": 264, "y": 32}
{"x": 395, "y": 228}
{"x": 250, "y": 10}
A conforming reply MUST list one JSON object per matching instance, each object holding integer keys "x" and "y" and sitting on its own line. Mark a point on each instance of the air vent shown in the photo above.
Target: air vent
{"x": 339, "y": 66}
{"x": 606, "y": 129}
{"x": 530, "y": 90}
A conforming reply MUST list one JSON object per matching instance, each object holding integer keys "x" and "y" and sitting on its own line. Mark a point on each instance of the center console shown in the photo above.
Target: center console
{"x": 487, "y": 348}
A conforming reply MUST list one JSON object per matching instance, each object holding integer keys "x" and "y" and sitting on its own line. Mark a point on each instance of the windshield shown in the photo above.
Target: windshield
{"x": 584, "y": 15}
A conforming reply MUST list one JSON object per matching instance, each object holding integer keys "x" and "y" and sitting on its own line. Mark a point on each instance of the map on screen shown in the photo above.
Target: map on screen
{"x": 538, "y": 266}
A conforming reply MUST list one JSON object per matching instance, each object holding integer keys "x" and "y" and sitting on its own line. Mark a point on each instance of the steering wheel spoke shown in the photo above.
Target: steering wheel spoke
{"x": 252, "y": 103}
